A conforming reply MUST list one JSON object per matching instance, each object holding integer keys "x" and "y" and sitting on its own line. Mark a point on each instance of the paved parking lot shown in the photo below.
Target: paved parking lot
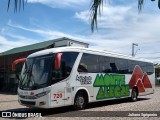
{"x": 93, "y": 111}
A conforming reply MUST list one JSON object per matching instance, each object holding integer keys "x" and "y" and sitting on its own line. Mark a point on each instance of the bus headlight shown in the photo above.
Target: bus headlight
{"x": 42, "y": 94}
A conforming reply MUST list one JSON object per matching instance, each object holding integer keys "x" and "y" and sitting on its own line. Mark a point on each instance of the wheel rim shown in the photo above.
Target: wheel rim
{"x": 134, "y": 95}
{"x": 80, "y": 102}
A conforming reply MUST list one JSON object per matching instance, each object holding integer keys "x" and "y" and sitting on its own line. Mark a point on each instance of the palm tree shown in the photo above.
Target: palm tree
{"x": 94, "y": 11}
{"x": 17, "y": 4}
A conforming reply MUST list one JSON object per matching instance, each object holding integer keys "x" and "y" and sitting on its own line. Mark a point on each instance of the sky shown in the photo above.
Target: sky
{"x": 119, "y": 25}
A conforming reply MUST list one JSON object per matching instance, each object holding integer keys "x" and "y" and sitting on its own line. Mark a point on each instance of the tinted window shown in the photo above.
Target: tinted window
{"x": 89, "y": 63}
{"x": 150, "y": 68}
{"x": 67, "y": 62}
{"x": 142, "y": 65}
{"x": 131, "y": 66}
{"x": 122, "y": 66}
{"x": 104, "y": 64}
{"x": 146, "y": 67}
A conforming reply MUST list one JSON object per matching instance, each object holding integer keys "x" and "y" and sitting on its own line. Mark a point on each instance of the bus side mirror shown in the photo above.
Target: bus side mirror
{"x": 16, "y": 62}
{"x": 57, "y": 62}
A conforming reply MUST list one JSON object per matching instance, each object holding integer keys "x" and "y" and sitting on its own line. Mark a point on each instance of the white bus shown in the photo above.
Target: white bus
{"x": 76, "y": 76}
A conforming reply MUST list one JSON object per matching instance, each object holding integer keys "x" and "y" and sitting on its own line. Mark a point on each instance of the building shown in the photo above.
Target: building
{"x": 7, "y": 77}
{"x": 157, "y": 74}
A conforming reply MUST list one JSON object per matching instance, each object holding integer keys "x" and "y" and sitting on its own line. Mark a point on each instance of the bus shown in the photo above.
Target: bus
{"x": 77, "y": 76}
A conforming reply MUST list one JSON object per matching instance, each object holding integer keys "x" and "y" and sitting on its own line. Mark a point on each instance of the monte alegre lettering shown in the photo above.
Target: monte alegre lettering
{"x": 111, "y": 86}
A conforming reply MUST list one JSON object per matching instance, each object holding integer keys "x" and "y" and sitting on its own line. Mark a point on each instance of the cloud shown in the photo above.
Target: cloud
{"x": 46, "y": 34}
{"x": 120, "y": 26}
{"x": 110, "y": 16}
{"x": 121, "y": 44}
{"x": 62, "y": 4}
{"x": 6, "y": 44}
{"x": 9, "y": 38}
{"x": 42, "y": 34}
{"x": 118, "y": 40}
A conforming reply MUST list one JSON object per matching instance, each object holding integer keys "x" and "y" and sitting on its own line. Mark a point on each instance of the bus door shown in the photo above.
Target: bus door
{"x": 58, "y": 83}
{"x": 63, "y": 65}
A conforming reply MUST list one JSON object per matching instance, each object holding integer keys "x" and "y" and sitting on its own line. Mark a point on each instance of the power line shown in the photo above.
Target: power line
{"x": 150, "y": 53}
{"x": 152, "y": 57}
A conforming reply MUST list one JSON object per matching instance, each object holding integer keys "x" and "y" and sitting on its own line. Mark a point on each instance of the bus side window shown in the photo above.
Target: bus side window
{"x": 89, "y": 63}
{"x": 114, "y": 67}
{"x": 104, "y": 62}
{"x": 121, "y": 66}
{"x": 131, "y": 66}
{"x": 150, "y": 68}
{"x": 82, "y": 68}
{"x": 66, "y": 64}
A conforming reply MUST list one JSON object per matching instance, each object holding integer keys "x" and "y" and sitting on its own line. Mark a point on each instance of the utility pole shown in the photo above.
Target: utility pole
{"x": 133, "y": 44}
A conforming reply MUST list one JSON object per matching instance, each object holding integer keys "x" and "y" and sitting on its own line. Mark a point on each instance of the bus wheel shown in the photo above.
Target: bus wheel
{"x": 134, "y": 95}
{"x": 80, "y": 101}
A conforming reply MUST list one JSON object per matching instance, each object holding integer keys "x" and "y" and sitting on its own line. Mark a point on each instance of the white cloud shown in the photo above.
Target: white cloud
{"x": 62, "y": 3}
{"x": 119, "y": 40}
{"x": 46, "y": 34}
{"x": 110, "y": 16}
{"x": 6, "y": 44}
{"x": 120, "y": 26}
{"x": 96, "y": 40}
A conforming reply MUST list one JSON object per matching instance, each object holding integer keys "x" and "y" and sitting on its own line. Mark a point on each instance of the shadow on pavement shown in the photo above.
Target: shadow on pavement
{"x": 112, "y": 102}
{"x": 67, "y": 111}
{"x": 8, "y": 93}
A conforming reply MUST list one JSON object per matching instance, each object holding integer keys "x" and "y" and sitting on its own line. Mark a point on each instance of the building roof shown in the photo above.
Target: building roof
{"x": 27, "y": 48}
{"x": 36, "y": 46}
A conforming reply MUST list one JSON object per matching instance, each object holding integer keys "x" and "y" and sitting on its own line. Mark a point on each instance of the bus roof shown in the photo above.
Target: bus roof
{"x": 86, "y": 50}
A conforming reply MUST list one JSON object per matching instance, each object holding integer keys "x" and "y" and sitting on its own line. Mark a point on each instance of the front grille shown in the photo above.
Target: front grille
{"x": 27, "y": 97}
{"x": 27, "y": 102}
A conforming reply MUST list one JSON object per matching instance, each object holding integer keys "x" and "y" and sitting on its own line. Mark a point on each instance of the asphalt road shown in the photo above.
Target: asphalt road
{"x": 145, "y": 106}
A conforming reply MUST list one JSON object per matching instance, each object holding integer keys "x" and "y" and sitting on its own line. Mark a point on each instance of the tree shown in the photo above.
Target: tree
{"x": 95, "y": 9}
{"x": 17, "y": 4}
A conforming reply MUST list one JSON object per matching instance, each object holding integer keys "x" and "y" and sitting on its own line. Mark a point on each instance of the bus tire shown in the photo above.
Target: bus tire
{"x": 134, "y": 95}
{"x": 80, "y": 101}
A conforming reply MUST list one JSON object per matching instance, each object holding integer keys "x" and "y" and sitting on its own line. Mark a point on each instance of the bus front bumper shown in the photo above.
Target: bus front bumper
{"x": 42, "y": 102}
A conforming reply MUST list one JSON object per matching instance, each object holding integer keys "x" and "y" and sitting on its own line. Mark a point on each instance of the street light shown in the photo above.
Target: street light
{"x": 136, "y": 52}
{"x": 133, "y": 44}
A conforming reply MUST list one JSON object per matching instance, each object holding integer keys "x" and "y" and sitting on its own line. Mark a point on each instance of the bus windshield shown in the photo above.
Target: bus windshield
{"x": 40, "y": 72}
{"x": 35, "y": 72}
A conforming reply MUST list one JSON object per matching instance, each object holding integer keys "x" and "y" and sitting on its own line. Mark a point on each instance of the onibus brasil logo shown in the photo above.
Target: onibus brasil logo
{"x": 111, "y": 86}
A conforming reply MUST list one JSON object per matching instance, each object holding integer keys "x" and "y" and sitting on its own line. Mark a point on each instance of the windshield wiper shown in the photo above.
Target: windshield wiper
{"x": 28, "y": 74}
